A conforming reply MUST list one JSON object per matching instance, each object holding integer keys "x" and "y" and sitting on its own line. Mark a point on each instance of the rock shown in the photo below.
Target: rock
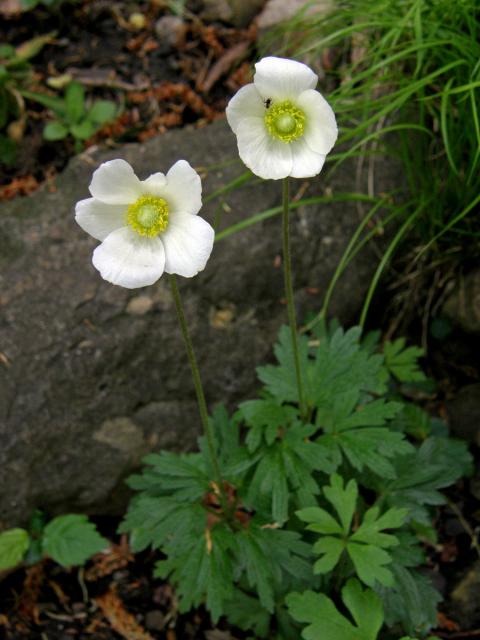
{"x": 237, "y": 12}
{"x": 463, "y": 305}
{"x": 92, "y": 376}
{"x": 277, "y": 11}
{"x": 465, "y": 600}
{"x": 464, "y": 414}
{"x": 169, "y": 30}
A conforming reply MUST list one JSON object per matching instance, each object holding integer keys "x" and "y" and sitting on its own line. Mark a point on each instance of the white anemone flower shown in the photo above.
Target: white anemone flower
{"x": 146, "y": 226}
{"x": 283, "y": 126}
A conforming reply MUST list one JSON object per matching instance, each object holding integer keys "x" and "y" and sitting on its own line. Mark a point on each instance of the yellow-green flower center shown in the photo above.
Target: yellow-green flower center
{"x": 285, "y": 121}
{"x": 148, "y": 216}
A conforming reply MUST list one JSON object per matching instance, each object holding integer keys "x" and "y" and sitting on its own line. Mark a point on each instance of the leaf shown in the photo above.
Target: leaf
{"x": 281, "y": 380}
{"x": 412, "y": 601}
{"x": 331, "y": 549}
{"x": 246, "y": 613}
{"x": 365, "y": 546}
{"x": 72, "y": 539}
{"x": 83, "y": 130}
{"x": 369, "y": 562}
{"x": 436, "y": 464}
{"x": 326, "y": 622}
{"x": 403, "y": 362}
{"x": 14, "y": 544}
{"x": 74, "y": 103}
{"x": 102, "y": 111}
{"x": 31, "y": 48}
{"x": 342, "y": 499}
{"x": 55, "y": 131}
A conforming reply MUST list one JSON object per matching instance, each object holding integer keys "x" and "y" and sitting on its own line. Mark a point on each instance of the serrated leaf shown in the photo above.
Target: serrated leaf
{"x": 319, "y": 520}
{"x": 326, "y": 622}
{"x": 403, "y": 362}
{"x": 369, "y": 562}
{"x": 14, "y": 545}
{"x": 342, "y": 499}
{"x": 330, "y": 549}
{"x": 72, "y": 539}
{"x": 246, "y": 613}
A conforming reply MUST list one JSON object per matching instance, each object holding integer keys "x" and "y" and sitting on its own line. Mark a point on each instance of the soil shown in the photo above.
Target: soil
{"x": 157, "y": 82}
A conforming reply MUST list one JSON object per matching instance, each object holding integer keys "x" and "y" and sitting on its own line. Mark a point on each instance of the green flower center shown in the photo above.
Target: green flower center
{"x": 148, "y": 216}
{"x": 285, "y": 121}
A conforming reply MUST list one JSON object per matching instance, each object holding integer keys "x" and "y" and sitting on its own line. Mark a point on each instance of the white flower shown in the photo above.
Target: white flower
{"x": 146, "y": 227}
{"x": 283, "y": 126}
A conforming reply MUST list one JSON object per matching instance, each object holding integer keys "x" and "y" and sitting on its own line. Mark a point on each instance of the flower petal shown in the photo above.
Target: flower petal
{"x": 306, "y": 163}
{"x": 183, "y": 190}
{"x": 265, "y": 156}
{"x": 129, "y": 260}
{"x": 154, "y": 185}
{"x": 99, "y": 219}
{"x": 282, "y": 78}
{"x": 188, "y": 243}
{"x": 114, "y": 182}
{"x": 320, "y": 125}
{"x": 247, "y": 102}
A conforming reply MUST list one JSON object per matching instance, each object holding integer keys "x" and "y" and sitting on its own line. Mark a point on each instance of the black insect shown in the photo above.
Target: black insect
{"x": 267, "y": 103}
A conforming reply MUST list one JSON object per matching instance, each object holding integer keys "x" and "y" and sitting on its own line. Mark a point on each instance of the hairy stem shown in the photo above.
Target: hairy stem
{"x": 287, "y": 270}
{"x": 202, "y": 405}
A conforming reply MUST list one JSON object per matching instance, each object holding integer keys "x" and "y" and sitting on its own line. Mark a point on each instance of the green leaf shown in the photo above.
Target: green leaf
{"x": 403, "y": 362}
{"x": 436, "y": 464}
{"x": 55, "y": 131}
{"x": 72, "y": 539}
{"x": 326, "y": 622}
{"x": 74, "y": 103}
{"x": 369, "y": 562}
{"x": 14, "y": 544}
{"x": 246, "y": 613}
{"x": 281, "y": 380}
{"x": 331, "y": 549}
{"x": 342, "y": 499}
{"x": 102, "y": 111}
{"x": 320, "y": 520}
{"x": 8, "y": 150}
{"x": 83, "y": 130}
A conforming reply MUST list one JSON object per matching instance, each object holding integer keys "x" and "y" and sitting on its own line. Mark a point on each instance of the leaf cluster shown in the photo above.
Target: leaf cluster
{"x": 351, "y": 469}
{"x": 75, "y": 117}
{"x": 69, "y": 540}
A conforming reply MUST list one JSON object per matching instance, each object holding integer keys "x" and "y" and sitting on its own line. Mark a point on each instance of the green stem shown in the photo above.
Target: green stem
{"x": 202, "y": 405}
{"x": 287, "y": 270}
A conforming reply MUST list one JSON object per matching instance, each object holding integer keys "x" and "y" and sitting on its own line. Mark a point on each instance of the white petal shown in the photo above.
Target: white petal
{"x": 154, "y": 185}
{"x": 183, "y": 190}
{"x": 129, "y": 260}
{"x": 265, "y": 156}
{"x": 306, "y": 163}
{"x": 282, "y": 78}
{"x": 320, "y": 125}
{"x": 188, "y": 243}
{"x": 247, "y": 102}
{"x": 99, "y": 219}
{"x": 114, "y": 182}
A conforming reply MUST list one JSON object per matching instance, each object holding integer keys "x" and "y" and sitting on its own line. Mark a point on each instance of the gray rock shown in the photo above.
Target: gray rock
{"x": 277, "y": 11}
{"x": 237, "y": 12}
{"x": 169, "y": 31}
{"x": 462, "y": 306}
{"x": 464, "y": 414}
{"x": 92, "y": 376}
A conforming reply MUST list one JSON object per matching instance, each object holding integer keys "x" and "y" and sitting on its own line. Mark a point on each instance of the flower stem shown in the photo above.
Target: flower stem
{"x": 202, "y": 405}
{"x": 287, "y": 270}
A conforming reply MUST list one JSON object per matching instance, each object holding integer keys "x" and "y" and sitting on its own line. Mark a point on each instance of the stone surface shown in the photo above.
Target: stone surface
{"x": 462, "y": 307}
{"x": 237, "y": 12}
{"x": 92, "y": 376}
{"x": 464, "y": 414}
{"x": 277, "y": 11}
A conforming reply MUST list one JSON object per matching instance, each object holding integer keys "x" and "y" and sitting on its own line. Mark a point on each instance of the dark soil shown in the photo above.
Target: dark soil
{"x": 157, "y": 84}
